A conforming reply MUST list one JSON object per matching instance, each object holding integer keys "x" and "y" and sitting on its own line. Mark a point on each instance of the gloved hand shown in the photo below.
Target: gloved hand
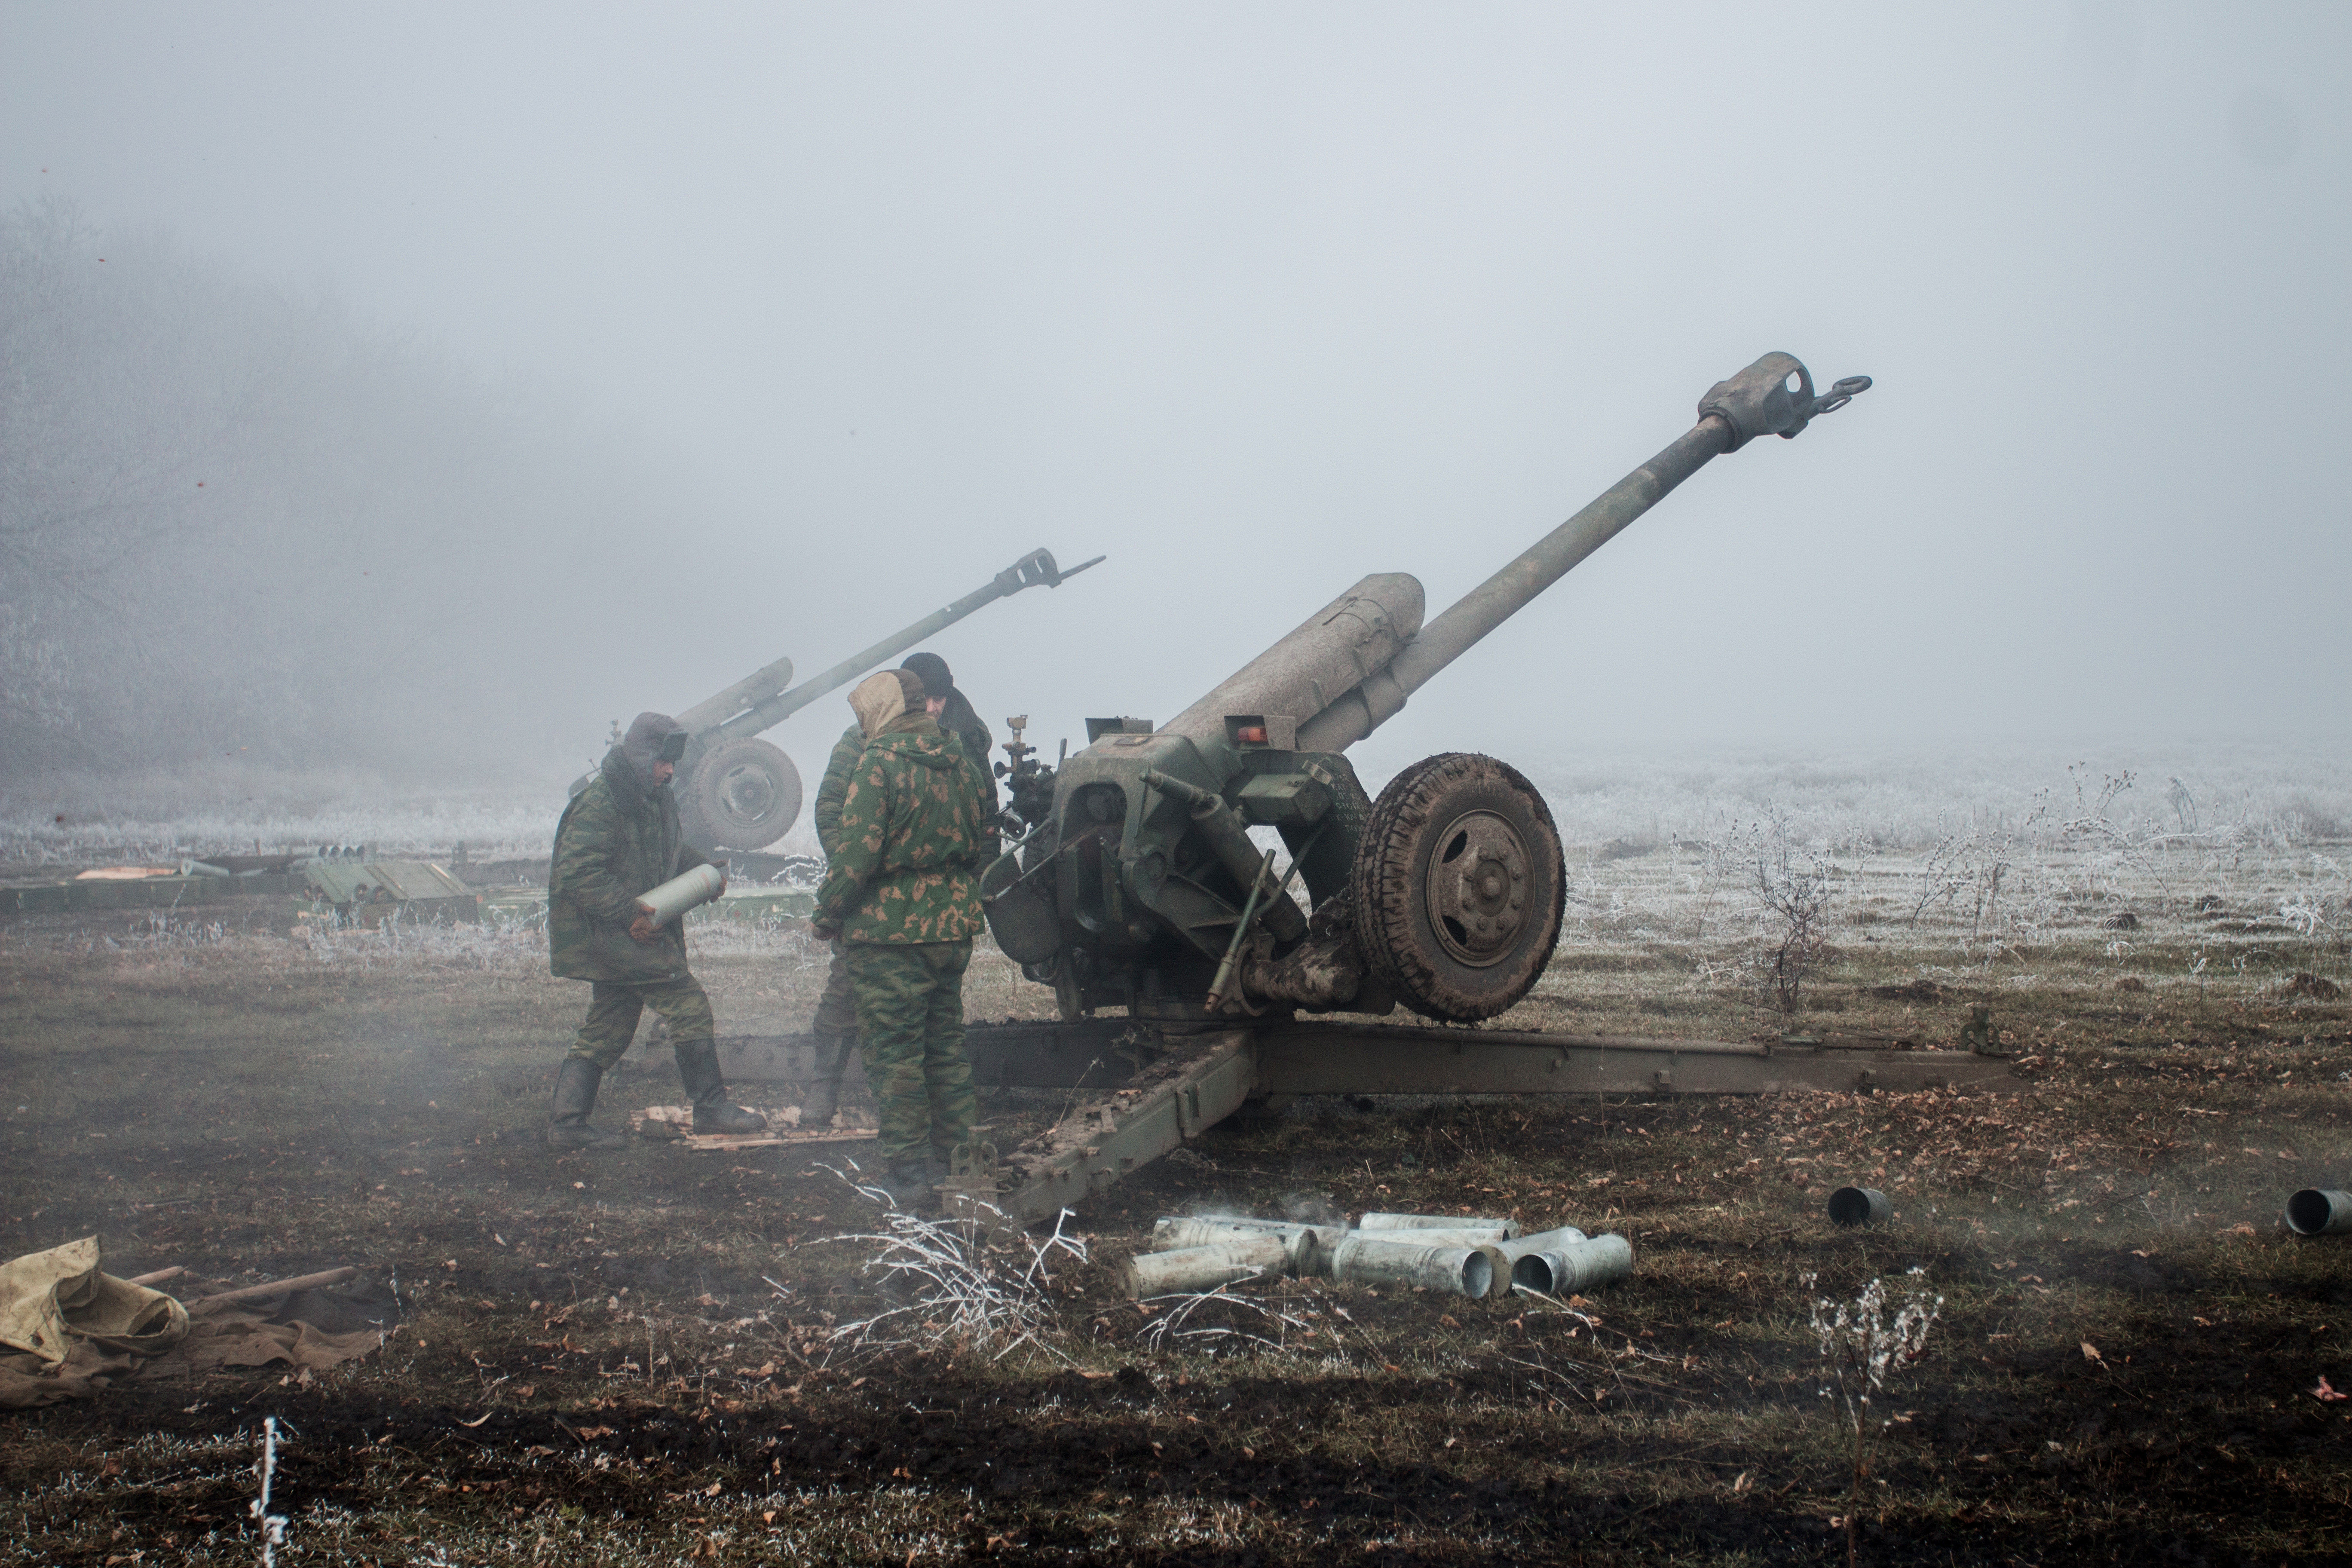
{"x": 825, "y": 929}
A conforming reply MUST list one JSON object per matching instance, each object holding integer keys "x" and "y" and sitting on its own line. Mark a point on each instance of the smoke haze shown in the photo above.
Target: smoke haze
{"x": 640, "y": 349}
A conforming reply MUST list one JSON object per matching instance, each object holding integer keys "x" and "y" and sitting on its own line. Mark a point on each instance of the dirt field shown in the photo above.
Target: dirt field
{"x": 639, "y": 1358}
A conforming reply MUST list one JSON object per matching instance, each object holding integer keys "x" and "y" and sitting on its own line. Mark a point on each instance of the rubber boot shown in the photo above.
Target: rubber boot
{"x": 909, "y": 1188}
{"x": 825, "y": 1089}
{"x": 945, "y": 1141}
{"x": 697, "y": 1069}
{"x": 576, "y": 1082}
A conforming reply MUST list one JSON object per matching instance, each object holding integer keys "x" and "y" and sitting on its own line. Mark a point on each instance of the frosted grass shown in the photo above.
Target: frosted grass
{"x": 1886, "y": 799}
{"x": 1892, "y": 799}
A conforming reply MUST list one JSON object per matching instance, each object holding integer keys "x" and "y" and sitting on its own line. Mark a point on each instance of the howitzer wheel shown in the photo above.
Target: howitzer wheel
{"x": 1458, "y": 886}
{"x": 742, "y": 794}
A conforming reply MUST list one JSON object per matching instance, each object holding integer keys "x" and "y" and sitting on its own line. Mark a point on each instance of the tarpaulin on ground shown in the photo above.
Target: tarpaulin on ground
{"x": 68, "y": 1331}
{"x": 49, "y": 1300}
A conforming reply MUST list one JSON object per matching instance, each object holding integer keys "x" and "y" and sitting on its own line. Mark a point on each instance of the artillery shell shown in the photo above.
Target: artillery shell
{"x": 681, "y": 893}
{"x": 1194, "y": 1268}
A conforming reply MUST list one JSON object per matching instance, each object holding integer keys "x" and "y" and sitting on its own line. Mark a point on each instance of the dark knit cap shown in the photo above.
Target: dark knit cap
{"x": 933, "y": 670}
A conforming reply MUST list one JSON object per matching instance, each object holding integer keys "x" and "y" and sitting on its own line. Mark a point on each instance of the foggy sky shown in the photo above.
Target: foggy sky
{"x": 1257, "y": 299}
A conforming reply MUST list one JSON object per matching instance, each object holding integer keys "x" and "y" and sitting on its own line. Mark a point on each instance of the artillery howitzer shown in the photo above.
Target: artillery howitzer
{"x": 1137, "y": 887}
{"x": 736, "y": 791}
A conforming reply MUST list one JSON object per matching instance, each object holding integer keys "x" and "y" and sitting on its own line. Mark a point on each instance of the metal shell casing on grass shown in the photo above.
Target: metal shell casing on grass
{"x": 1542, "y": 1241}
{"x": 1193, "y": 1268}
{"x": 1505, "y": 1229}
{"x": 1490, "y": 1237}
{"x": 1859, "y": 1206}
{"x": 1578, "y": 1266}
{"x": 1377, "y": 1260}
{"x": 1309, "y": 1245}
{"x": 2319, "y": 1211}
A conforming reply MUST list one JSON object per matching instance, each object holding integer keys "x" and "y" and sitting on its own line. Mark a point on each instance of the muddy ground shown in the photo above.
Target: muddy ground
{"x": 642, "y": 1358}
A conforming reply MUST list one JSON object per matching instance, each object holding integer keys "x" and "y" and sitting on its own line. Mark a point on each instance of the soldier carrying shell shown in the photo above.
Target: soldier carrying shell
{"x": 617, "y": 839}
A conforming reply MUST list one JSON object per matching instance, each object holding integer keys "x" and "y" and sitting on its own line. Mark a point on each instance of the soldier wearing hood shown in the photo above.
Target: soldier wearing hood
{"x": 834, "y": 1029}
{"x": 618, "y": 839}
{"x": 903, "y": 895}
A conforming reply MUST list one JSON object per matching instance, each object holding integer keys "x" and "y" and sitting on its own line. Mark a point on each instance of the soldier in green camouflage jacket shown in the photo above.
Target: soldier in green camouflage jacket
{"x": 833, "y": 1031}
{"x": 903, "y": 894}
{"x": 618, "y": 839}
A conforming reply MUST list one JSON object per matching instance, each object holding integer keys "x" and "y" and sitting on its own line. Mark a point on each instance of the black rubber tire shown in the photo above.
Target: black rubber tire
{"x": 742, "y": 794}
{"x": 1455, "y": 975}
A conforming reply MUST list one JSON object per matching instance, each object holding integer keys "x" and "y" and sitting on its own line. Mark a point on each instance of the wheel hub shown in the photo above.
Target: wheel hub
{"x": 746, "y": 793}
{"x": 1476, "y": 887}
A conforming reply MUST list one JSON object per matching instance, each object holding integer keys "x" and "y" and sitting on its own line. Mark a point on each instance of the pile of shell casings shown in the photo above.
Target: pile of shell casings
{"x": 1460, "y": 1256}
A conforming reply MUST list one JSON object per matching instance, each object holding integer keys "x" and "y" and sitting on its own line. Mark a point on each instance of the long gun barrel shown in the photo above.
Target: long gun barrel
{"x": 1031, "y": 569}
{"x": 1351, "y": 667}
{"x": 740, "y": 792}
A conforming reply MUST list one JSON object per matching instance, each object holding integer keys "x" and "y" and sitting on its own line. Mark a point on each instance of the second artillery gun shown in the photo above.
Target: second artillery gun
{"x": 736, "y": 791}
{"x": 1139, "y": 887}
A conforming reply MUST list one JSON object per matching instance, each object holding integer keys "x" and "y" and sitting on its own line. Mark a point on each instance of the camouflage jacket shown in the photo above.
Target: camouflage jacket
{"x": 959, "y": 723}
{"x": 616, "y": 841}
{"x": 910, "y": 840}
{"x": 826, "y": 814}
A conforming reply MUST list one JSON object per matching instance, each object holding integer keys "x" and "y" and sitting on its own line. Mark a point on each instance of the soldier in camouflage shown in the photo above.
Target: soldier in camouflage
{"x": 903, "y": 895}
{"x": 618, "y": 839}
{"x": 834, "y": 1030}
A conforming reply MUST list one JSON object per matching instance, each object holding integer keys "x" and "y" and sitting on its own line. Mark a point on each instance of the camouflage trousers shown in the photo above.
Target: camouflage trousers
{"x": 614, "y": 1011}
{"x": 837, "y": 1010}
{"x": 910, "y": 1036}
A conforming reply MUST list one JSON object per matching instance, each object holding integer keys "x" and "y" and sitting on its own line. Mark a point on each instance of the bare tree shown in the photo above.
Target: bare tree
{"x": 1796, "y": 887}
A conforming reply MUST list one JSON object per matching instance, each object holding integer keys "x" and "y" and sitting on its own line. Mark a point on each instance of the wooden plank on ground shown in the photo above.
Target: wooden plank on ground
{"x": 709, "y": 1143}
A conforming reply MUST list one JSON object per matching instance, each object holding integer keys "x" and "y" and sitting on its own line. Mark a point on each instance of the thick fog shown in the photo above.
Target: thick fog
{"x": 544, "y": 364}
